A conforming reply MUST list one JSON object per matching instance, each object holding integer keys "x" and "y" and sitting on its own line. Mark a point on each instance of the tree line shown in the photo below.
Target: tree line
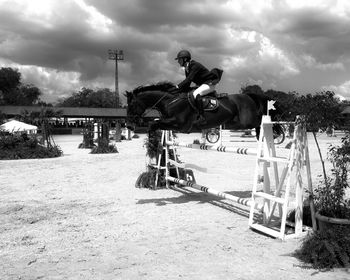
{"x": 322, "y": 109}
{"x": 14, "y": 92}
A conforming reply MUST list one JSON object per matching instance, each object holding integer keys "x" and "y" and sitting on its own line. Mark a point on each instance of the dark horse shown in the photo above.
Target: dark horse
{"x": 239, "y": 111}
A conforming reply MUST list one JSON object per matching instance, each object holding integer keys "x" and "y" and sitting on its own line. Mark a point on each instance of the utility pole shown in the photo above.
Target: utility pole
{"x": 116, "y": 55}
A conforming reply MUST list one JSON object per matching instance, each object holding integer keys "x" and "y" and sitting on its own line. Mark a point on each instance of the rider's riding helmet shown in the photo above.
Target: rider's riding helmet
{"x": 184, "y": 54}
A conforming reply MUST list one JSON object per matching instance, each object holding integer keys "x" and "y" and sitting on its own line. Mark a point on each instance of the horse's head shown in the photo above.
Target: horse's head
{"x": 135, "y": 107}
{"x": 146, "y": 96}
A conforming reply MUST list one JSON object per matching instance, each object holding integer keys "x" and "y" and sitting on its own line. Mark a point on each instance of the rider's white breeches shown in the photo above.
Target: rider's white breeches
{"x": 203, "y": 90}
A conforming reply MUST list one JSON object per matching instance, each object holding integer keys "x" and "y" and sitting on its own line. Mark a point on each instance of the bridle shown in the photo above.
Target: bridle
{"x": 153, "y": 107}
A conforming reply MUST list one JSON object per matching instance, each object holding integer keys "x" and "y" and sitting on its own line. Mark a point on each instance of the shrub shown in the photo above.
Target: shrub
{"x": 153, "y": 143}
{"x": 326, "y": 249}
{"x": 330, "y": 197}
{"x": 104, "y": 147}
{"x": 24, "y": 146}
{"x": 147, "y": 179}
{"x": 88, "y": 140}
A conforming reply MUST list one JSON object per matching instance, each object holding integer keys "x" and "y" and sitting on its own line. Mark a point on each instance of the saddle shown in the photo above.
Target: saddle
{"x": 210, "y": 101}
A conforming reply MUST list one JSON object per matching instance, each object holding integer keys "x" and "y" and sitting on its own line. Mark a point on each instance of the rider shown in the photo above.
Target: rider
{"x": 201, "y": 76}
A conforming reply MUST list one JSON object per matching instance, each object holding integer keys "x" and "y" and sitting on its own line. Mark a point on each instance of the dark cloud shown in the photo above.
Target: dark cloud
{"x": 303, "y": 48}
{"x": 155, "y": 15}
{"x": 313, "y": 31}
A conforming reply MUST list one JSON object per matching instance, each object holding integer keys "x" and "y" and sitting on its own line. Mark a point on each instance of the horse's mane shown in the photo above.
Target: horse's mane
{"x": 162, "y": 86}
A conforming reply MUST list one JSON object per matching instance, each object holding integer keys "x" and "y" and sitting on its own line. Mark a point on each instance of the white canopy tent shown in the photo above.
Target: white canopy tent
{"x": 16, "y": 126}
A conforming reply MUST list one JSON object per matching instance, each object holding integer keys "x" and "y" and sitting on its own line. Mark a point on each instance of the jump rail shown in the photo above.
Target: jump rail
{"x": 243, "y": 201}
{"x": 224, "y": 149}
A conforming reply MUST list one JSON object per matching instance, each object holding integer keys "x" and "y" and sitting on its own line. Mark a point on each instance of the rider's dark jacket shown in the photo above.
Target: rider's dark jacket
{"x": 198, "y": 74}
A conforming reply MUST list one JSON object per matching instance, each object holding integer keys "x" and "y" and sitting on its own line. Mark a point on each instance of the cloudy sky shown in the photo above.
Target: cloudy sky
{"x": 288, "y": 45}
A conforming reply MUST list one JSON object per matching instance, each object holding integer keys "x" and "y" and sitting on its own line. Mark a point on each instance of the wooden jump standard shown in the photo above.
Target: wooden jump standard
{"x": 266, "y": 156}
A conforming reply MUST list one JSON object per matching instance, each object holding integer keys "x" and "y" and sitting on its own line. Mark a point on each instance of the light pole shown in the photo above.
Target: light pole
{"x": 116, "y": 55}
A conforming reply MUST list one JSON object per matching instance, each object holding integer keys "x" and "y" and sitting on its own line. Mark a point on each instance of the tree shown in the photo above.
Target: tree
{"x": 10, "y": 80}
{"x": 285, "y": 104}
{"x": 101, "y": 98}
{"x": 29, "y": 95}
{"x": 321, "y": 111}
{"x": 13, "y": 92}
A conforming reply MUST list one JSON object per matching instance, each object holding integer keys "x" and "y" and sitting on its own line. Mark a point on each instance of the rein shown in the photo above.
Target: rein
{"x": 153, "y": 106}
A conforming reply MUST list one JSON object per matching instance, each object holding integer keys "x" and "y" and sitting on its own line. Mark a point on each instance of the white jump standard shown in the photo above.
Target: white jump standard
{"x": 276, "y": 194}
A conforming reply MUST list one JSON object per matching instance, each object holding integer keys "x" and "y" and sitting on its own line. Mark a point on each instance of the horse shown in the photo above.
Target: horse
{"x": 177, "y": 111}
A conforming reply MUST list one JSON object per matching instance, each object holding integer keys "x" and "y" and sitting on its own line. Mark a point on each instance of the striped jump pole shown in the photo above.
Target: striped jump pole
{"x": 243, "y": 201}
{"x": 224, "y": 149}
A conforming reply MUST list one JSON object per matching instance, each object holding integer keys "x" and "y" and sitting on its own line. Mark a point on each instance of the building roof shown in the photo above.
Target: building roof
{"x": 74, "y": 112}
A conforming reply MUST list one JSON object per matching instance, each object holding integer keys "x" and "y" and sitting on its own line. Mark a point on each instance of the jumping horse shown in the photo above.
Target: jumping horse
{"x": 178, "y": 112}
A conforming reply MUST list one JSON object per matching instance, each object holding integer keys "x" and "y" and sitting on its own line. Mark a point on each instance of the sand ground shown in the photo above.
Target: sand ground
{"x": 80, "y": 217}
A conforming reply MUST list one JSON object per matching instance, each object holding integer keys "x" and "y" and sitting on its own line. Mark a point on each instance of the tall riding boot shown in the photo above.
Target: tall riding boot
{"x": 201, "y": 120}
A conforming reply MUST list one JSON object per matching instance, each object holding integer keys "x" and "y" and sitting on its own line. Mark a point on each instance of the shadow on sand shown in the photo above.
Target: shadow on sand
{"x": 201, "y": 197}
